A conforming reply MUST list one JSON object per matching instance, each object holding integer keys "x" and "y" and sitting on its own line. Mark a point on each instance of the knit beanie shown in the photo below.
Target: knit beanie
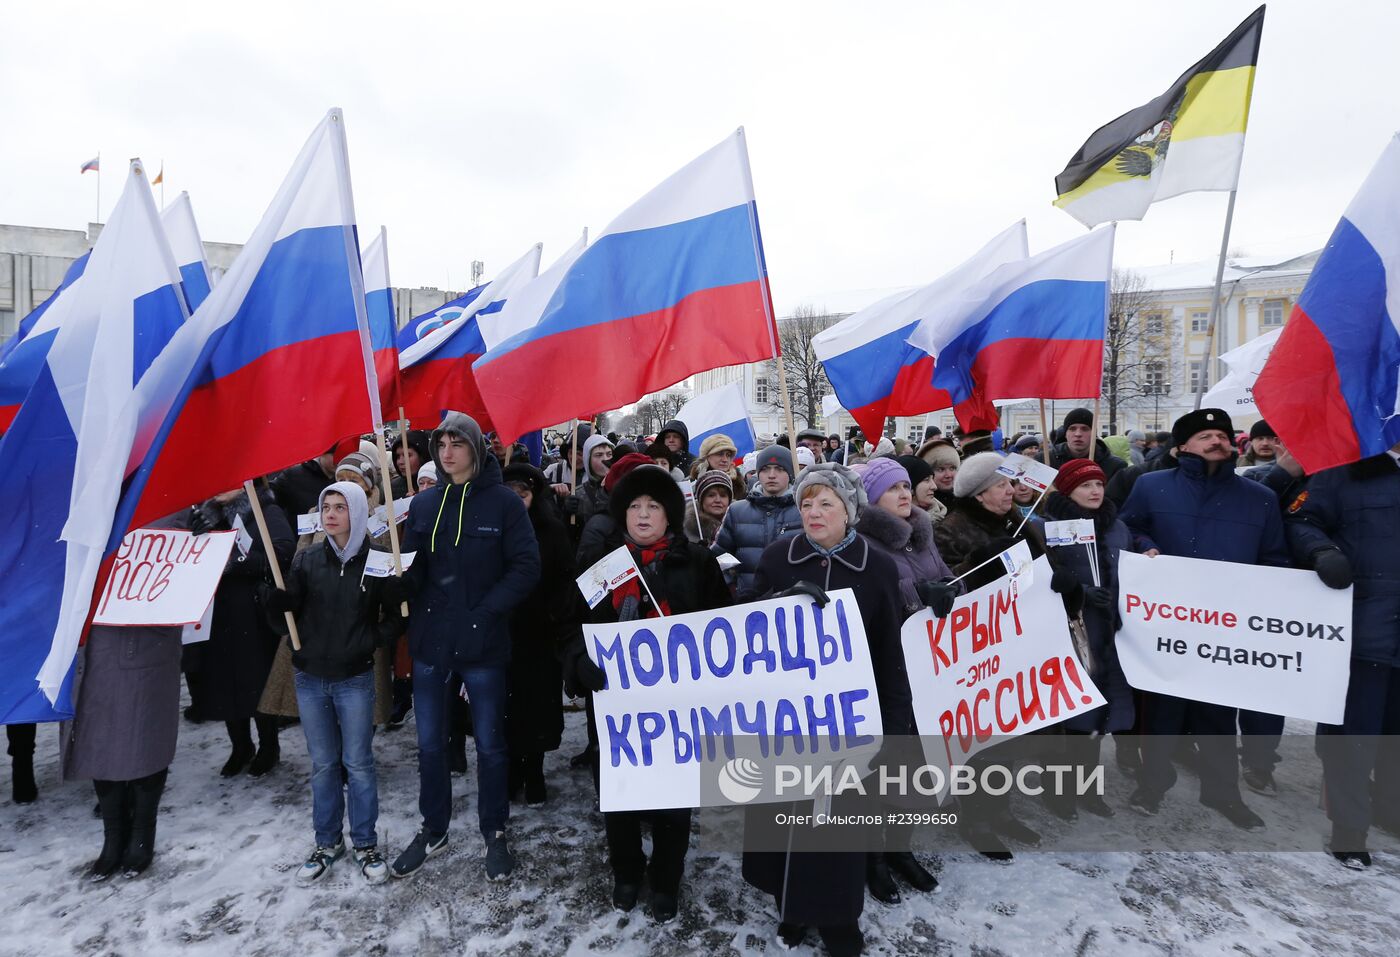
{"x": 805, "y": 458}
{"x": 917, "y": 468}
{"x": 841, "y": 480}
{"x": 622, "y": 466}
{"x": 1262, "y": 429}
{"x": 1078, "y": 417}
{"x": 775, "y": 455}
{"x": 881, "y": 475}
{"x": 977, "y": 474}
{"x": 427, "y": 471}
{"x": 714, "y": 478}
{"x": 1075, "y": 473}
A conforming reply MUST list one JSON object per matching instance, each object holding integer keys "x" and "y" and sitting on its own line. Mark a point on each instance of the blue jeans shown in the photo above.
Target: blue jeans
{"x": 338, "y": 718}
{"x": 487, "y": 689}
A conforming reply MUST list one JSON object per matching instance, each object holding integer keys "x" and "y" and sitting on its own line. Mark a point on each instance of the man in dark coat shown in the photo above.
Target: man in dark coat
{"x": 675, "y": 435}
{"x": 1121, "y": 485}
{"x": 1201, "y": 509}
{"x": 1347, "y": 529}
{"x": 477, "y": 560}
{"x": 298, "y": 489}
{"x": 1079, "y": 439}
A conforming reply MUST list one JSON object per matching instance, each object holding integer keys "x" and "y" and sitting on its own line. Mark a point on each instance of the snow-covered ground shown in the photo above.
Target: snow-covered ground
{"x": 222, "y": 883}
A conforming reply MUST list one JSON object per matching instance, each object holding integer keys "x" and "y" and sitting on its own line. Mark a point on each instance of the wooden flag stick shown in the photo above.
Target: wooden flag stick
{"x": 403, "y": 439}
{"x": 266, "y": 537}
{"x": 573, "y": 469}
{"x": 389, "y": 510}
{"x": 1044, "y": 436}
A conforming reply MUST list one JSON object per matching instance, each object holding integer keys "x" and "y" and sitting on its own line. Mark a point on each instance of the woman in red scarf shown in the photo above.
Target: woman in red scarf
{"x": 648, "y": 511}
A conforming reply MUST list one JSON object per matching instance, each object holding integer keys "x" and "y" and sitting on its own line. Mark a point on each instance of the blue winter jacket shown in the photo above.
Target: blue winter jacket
{"x": 1192, "y": 514}
{"x": 752, "y": 525}
{"x": 1357, "y": 508}
{"x": 476, "y": 560}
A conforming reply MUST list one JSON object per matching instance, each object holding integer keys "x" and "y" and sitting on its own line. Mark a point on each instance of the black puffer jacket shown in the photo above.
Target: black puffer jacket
{"x": 341, "y": 615}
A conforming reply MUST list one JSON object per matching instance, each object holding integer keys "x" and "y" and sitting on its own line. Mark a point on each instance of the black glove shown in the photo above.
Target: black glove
{"x": 571, "y": 505}
{"x": 395, "y": 591}
{"x": 200, "y": 523}
{"x": 1098, "y": 597}
{"x": 937, "y": 596}
{"x": 1333, "y": 568}
{"x": 589, "y": 675}
{"x": 1062, "y": 582}
{"x": 806, "y": 590}
{"x": 277, "y": 601}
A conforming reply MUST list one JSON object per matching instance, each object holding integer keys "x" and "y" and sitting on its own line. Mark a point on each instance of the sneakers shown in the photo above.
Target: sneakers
{"x": 1349, "y": 848}
{"x": 1353, "y": 860}
{"x": 319, "y": 863}
{"x": 372, "y": 864}
{"x": 1260, "y": 782}
{"x": 499, "y": 860}
{"x": 422, "y": 847}
{"x": 1237, "y": 814}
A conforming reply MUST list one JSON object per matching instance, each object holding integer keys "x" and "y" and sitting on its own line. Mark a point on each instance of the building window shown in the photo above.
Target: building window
{"x": 1272, "y": 316}
{"x": 1200, "y": 320}
{"x": 1195, "y": 382}
{"x": 916, "y": 435}
{"x": 760, "y": 390}
{"x": 1155, "y": 378}
{"x": 1155, "y": 324}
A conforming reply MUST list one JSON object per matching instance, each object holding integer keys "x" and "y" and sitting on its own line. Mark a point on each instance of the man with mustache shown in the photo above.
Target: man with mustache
{"x": 1201, "y": 509}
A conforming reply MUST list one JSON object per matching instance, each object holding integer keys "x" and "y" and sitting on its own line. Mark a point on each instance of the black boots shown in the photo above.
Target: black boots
{"x": 129, "y": 811}
{"x": 113, "y": 799}
{"x": 907, "y": 866}
{"x": 145, "y": 803}
{"x": 23, "y": 788}
{"x": 269, "y": 751}
{"x": 878, "y": 879}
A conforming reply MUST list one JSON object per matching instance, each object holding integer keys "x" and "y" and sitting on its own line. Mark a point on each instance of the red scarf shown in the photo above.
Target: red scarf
{"x": 645, "y": 557}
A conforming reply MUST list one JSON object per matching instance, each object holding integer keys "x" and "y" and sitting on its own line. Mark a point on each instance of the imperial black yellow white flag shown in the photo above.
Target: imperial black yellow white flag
{"x": 1188, "y": 139}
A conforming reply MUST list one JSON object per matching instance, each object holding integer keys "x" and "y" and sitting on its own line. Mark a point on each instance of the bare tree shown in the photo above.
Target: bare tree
{"x": 669, "y": 404}
{"x": 1138, "y": 345}
{"x": 806, "y": 378}
{"x": 648, "y": 416}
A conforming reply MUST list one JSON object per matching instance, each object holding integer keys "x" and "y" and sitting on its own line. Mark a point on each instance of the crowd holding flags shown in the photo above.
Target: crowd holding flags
{"x": 300, "y": 337}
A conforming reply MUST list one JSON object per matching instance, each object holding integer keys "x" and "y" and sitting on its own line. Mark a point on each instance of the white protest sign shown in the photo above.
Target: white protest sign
{"x": 381, "y": 564}
{"x": 1000, "y": 664}
{"x": 726, "y": 561}
{"x": 163, "y": 576}
{"x": 687, "y": 490}
{"x": 309, "y": 524}
{"x": 199, "y": 631}
{"x": 244, "y": 539}
{"x": 607, "y": 573}
{"x": 1029, "y": 472}
{"x": 681, "y": 689}
{"x": 1274, "y": 640}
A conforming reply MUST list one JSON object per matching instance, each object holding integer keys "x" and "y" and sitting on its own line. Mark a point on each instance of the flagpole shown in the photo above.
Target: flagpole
{"x": 1215, "y": 303}
{"x": 1044, "y": 436}
{"x": 162, "y": 182}
{"x": 389, "y": 506}
{"x": 272, "y": 561}
{"x": 97, "y": 214}
{"x": 767, "y": 293}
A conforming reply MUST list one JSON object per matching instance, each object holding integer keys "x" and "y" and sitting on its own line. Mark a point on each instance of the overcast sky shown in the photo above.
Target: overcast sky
{"x": 888, "y": 140}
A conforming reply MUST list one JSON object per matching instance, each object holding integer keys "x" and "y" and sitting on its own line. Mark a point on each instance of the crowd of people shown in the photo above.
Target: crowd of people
{"x": 481, "y": 637}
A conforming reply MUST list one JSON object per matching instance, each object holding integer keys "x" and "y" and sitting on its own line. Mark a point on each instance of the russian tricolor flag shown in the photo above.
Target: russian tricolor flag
{"x": 275, "y": 366}
{"x": 180, "y": 228}
{"x": 877, "y": 373}
{"x": 23, "y": 355}
{"x": 436, "y": 371}
{"x": 62, "y": 442}
{"x": 1033, "y": 328}
{"x": 674, "y": 286}
{"x": 383, "y": 324}
{"x": 721, "y": 411}
{"x": 1330, "y": 386}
